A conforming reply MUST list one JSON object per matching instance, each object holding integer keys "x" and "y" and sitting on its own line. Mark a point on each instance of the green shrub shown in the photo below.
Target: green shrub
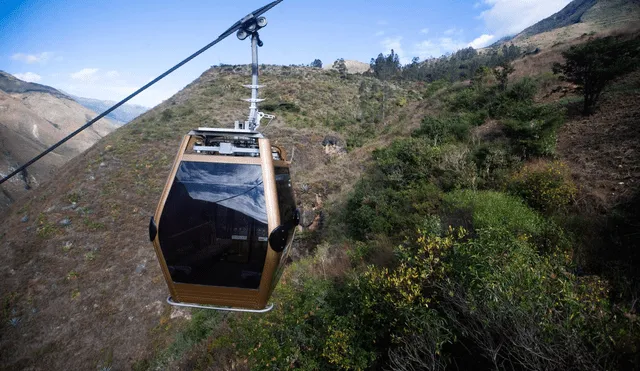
{"x": 485, "y": 301}
{"x": 202, "y": 324}
{"x": 455, "y": 168}
{"x": 470, "y": 99}
{"x": 405, "y": 162}
{"x": 359, "y": 253}
{"x": 293, "y": 333}
{"x": 490, "y": 209}
{"x": 396, "y": 193}
{"x": 443, "y": 129}
{"x": 281, "y": 107}
{"x": 546, "y": 186}
{"x": 532, "y": 129}
{"x": 501, "y": 288}
{"x": 494, "y": 163}
{"x": 374, "y": 209}
{"x": 523, "y": 90}
{"x": 434, "y": 87}
{"x": 166, "y": 115}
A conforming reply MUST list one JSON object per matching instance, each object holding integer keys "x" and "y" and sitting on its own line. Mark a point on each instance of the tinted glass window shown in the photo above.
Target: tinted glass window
{"x": 213, "y": 228}
{"x": 287, "y": 206}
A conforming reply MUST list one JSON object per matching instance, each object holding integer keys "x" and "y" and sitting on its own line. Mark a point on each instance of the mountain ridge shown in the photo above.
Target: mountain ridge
{"x": 33, "y": 117}
{"x": 121, "y": 116}
{"x": 11, "y": 84}
{"x": 570, "y": 14}
{"x": 578, "y": 18}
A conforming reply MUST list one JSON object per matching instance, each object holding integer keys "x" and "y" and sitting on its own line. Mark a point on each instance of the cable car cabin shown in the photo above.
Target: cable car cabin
{"x": 226, "y": 219}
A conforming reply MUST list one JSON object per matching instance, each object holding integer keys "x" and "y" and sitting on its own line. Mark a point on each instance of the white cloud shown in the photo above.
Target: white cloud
{"x": 433, "y": 48}
{"x": 394, "y": 43}
{"x": 85, "y": 74}
{"x": 28, "y": 76}
{"x": 379, "y": 33}
{"x": 508, "y": 17}
{"x": 113, "y": 74}
{"x": 41, "y": 58}
{"x": 451, "y": 45}
{"x": 424, "y": 31}
{"x": 481, "y": 41}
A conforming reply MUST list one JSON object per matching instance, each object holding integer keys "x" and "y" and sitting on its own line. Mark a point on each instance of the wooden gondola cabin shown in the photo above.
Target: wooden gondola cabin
{"x": 225, "y": 220}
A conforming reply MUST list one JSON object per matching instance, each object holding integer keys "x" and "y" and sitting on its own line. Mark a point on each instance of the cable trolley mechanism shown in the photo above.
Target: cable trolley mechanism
{"x": 227, "y": 215}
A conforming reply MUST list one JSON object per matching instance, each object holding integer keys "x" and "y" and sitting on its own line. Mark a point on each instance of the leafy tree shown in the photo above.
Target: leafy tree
{"x": 341, "y": 67}
{"x": 460, "y": 65}
{"x": 316, "y": 63}
{"x": 502, "y": 73}
{"x": 412, "y": 70}
{"x": 593, "y": 65}
{"x": 386, "y": 67}
{"x": 480, "y": 77}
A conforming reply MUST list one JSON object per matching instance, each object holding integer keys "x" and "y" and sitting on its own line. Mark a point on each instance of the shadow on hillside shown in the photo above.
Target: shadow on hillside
{"x": 621, "y": 253}
{"x": 610, "y": 247}
{"x": 573, "y": 109}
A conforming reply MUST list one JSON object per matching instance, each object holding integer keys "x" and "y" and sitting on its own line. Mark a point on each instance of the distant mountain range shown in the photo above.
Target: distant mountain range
{"x": 121, "y": 116}
{"x": 32, "y": 118}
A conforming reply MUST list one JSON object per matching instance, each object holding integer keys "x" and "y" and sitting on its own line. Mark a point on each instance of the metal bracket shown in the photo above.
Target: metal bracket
{"x": 213, "y": 307}
{"x": 262, "y": 115}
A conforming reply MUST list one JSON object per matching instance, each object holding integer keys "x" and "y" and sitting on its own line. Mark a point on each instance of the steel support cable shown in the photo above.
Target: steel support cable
{"x": 222, "y": 36}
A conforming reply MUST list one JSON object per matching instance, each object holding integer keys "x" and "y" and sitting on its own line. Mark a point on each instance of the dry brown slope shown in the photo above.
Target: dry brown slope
{"x": 602, "y": 149}
{"x": 78, "y": 295}
{"x": 19, "y": 143}
{"x": 32, "y": 118}
{"x": 604, "y": 17}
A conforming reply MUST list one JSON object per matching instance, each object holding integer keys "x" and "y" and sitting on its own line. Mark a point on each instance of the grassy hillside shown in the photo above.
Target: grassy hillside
{"x": 452, "y": 225}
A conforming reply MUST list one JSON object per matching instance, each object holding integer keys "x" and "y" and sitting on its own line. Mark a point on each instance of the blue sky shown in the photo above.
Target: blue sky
{"x": 106, "y": 49}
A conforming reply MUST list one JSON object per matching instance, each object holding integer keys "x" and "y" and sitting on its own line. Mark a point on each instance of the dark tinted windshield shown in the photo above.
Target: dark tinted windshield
{"x": 213, "y": 228}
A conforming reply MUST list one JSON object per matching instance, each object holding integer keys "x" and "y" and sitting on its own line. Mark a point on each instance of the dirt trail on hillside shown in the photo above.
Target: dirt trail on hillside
{"x": 603, "y": 151}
